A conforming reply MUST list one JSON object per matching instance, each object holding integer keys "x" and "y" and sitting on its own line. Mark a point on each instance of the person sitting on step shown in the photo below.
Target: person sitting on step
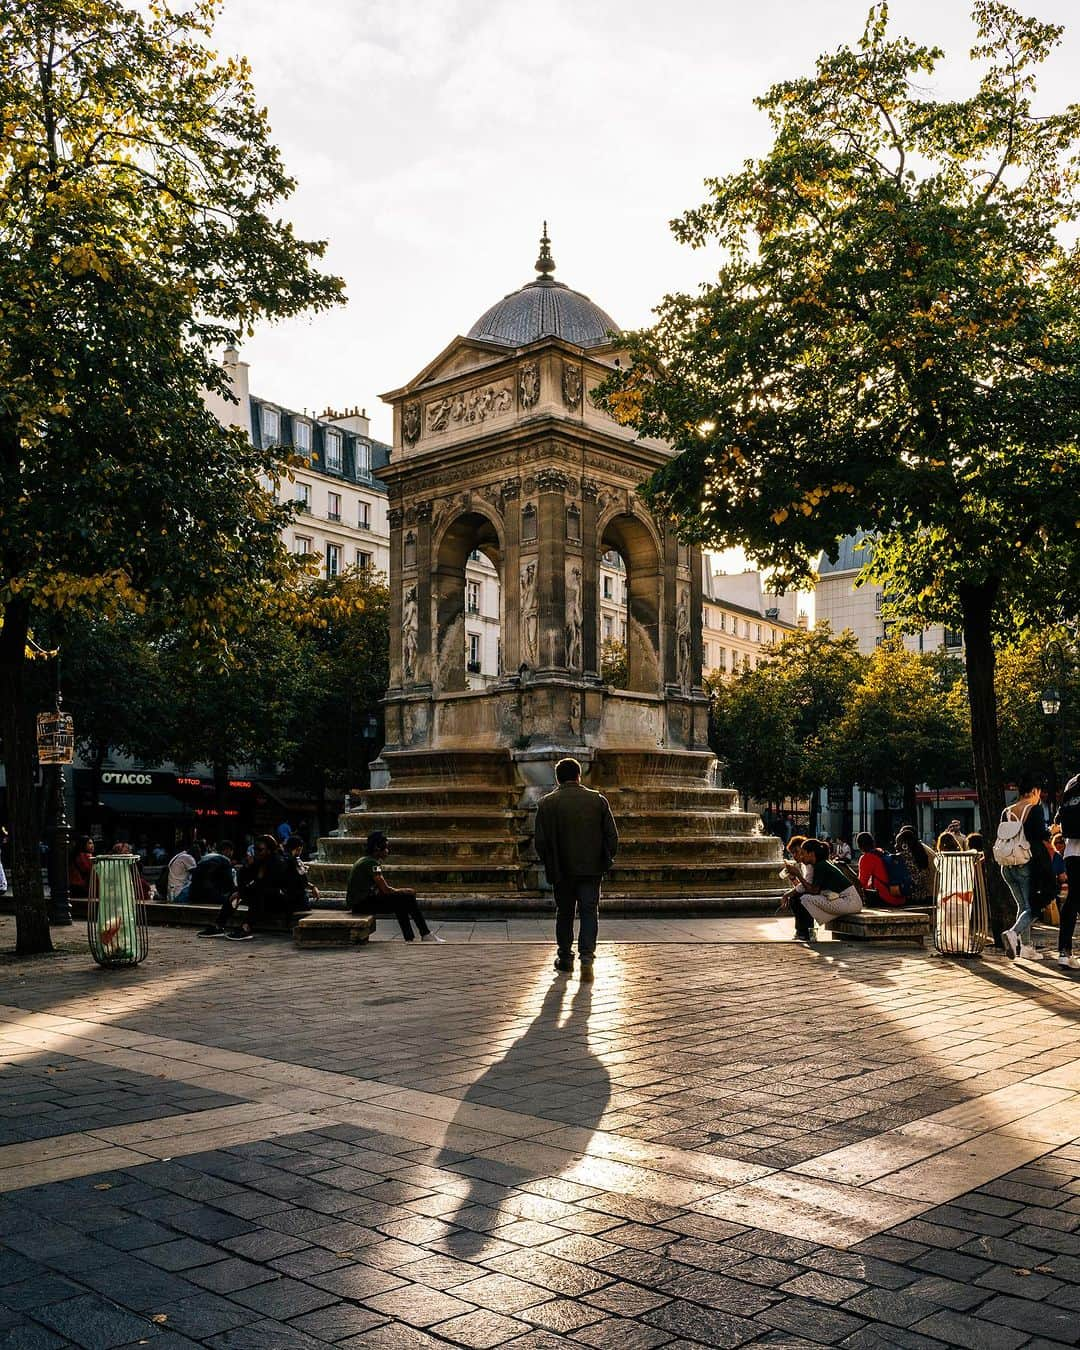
{"x": 370, "y": 891}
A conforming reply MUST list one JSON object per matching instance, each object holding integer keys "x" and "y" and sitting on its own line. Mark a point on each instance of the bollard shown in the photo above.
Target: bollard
{"x": 115, "y": 919}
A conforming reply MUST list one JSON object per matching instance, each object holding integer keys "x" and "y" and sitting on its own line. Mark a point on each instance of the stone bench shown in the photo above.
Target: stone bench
{"x": 324, "y": 928}
{"x": 882, "y": 925}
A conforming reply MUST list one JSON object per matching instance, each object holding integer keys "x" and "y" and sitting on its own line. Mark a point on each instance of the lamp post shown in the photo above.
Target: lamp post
{"x": 56, "y": 747}
{"x": 1052, "y": 700}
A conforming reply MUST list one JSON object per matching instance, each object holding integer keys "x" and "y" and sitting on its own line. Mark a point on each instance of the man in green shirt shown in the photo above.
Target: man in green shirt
{"x": 369, "y": 890}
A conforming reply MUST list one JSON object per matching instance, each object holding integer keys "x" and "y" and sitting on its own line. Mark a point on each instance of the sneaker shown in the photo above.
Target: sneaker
{"x": 212, "y": 931}
{"x": 564, "y": 965}
{"x": 1011, "y": 944}
{"x": 240, "y": 935}
{"x": 1068, "y": 962}
{"x": 1028, "y": 953}
{"x": 430, "y": 937}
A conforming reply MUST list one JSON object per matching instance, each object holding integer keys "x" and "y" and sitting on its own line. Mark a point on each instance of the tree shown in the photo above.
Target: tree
{"x": 774, "y": 725}
{"x": 1029, "y": 738}
{"x": 138, "y": 198}
{"x": 614, "y": 663}
{"x": 891, "y": 343}
{"x": 901, "y": 728}
{"x": 344, "y": 671}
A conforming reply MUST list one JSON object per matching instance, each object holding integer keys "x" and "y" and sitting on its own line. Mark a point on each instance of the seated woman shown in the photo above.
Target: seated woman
{"x": 80, "y": 866}
{"x": 920, "y": 862}
{"x": 827, "y": 893}
{"x": 873, "y": 874}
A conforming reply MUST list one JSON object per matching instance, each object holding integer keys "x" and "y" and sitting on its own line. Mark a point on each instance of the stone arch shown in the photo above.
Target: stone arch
{"x": 472, "y": 530}
{"x": 637, "y": 543}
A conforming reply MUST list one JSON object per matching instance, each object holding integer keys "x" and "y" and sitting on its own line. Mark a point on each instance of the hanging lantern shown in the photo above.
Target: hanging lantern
{"x": 55, "y": 738}
{"x": 115, "y": 919}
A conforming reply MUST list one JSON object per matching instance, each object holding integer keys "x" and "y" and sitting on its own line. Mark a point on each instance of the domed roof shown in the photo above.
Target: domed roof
{"x": 545, "y": 308}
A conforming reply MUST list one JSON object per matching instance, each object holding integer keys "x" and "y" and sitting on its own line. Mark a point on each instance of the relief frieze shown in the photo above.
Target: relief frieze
{"x": 470, "y": 406}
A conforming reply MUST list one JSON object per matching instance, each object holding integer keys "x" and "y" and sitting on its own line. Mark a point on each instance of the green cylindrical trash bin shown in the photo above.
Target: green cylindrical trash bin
{"x": 115, "y": 919}
{"x": 961, "y": 911}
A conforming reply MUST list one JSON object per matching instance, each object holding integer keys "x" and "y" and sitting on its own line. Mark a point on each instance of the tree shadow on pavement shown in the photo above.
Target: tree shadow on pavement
{"x": 545, "y": 1062}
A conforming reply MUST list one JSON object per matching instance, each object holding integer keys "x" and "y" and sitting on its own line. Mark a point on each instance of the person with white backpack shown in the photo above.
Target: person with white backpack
{"x": 1020, "y": 849}
{"x": 1068, "y": 817}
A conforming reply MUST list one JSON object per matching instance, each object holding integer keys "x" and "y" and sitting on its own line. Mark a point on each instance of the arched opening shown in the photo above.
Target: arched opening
{"x": 628, "y": 609}
{"x": 466, "y": 601}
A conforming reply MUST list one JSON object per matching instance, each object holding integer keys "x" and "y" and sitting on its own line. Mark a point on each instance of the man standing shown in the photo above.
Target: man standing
{"x": 576, "y": 840}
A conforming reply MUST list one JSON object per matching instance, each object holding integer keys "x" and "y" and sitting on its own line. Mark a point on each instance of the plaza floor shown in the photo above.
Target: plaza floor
{"x": 726, "y": 1139}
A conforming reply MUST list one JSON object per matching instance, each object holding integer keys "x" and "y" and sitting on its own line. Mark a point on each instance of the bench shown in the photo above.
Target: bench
{"x": 882, "y": 925}
{"x": 329, "y": 928}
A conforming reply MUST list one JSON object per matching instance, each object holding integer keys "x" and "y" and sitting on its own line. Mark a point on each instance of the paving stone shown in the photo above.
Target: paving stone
{"x": 1039, "y": 1319}
{"x": 481, "y": 1329}
{"x": 418, "y": 1306}
{"x": 354, "y": 1281}
{"x": 262, "y": 1335}
{"x": 181, "y": 1254}
{"x": 561, "y": 1314}
{"x": 337, "y": 1322}
{"x": 205, "y": 1315}
{"x": 823, "y": 1287}
{"x": 627, "y": 1300}
{"x": 41, "y": 1290}
{"x": 32, "y": 1337}
{"x": 621, "y": 1333}
{"x": 282, "y": 1298}
{"x": 1018, "y": 1281}
{"x": 224, "y": 1277}
{"x": 970, "y": 1332}
{"x": 900, "y": 1308}
{"x": 709, "y": 1325}
{"x": 812, "y": 1321}
{"x": 500, "y": 1293}
{"x": 93, "y": 1322}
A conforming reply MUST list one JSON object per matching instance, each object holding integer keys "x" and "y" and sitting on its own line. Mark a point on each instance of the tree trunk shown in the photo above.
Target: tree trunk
{"x": 20, "y": 761}
{"x": 977, "y": 603}
{"x": 911, "y": 806}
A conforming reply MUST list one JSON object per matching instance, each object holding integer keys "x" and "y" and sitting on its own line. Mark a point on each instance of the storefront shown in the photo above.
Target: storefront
{"x": 151, "y": 807}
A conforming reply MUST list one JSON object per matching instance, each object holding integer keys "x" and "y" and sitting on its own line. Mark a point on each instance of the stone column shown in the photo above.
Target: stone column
{"x": 425, "y": 662}
{"x": 394, "y": 520}
{"x": 590, "y": 578}
{"x": 510, "y": 581}
{"x": 551, "y": 574}
{"x": 696, "y": 600}
{"x": 669, "y": 662}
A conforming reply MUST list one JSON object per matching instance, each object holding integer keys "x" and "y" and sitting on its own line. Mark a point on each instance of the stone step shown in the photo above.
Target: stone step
{"x": 450, "y": 766}
{"x": 427, "y": 878}
{"x": 635, "y": 799}
{"x": 441, "y": 796}
{"x": 488, "y": 822}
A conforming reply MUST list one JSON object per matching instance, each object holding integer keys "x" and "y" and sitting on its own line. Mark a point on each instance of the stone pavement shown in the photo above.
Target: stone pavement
{"x": 719, "y": 1143}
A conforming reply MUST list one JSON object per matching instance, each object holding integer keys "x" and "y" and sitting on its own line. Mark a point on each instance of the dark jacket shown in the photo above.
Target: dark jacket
{"x": 575, "y": 833}
{"x": 212, "y": 881}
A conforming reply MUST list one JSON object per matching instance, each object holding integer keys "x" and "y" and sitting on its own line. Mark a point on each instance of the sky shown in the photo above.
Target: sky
{"x": 430, "y": 139}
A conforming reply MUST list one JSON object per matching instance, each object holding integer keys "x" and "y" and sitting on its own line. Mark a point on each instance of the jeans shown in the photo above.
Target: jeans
{"x": 1018, "y": 880}
{"x": 580, "y": 895}
{"x": 1070, "y": 907}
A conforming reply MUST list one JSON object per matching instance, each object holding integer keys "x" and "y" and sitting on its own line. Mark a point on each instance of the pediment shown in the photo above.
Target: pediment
{"x": 460, "y": 357}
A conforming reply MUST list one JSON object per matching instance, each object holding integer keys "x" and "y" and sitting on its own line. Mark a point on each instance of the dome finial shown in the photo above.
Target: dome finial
{"x": 545, "y": 264}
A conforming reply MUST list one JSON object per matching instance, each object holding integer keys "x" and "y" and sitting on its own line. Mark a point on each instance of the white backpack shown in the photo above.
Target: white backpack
{"x": 1011, "y": 846}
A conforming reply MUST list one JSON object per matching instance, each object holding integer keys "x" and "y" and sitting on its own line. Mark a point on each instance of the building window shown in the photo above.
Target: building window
{"x": 609, "y": 588}
{"x": 706, "y": 656}
{"x": 303, "y": 496}
{"x": 363, "y": 515}
{"x": 409, "y": 559}
{"x": 721, "y": 658}
{"x": 746, "y": 626}
{"x": 363, "y": 560}
{"x": 474, "y": 653}
{"x": 953, "y": 638}
{"x": 746, "y": 661}
{"x": 363, "y": 459}
{"x": 472, "y": 597}
{"x": 573, "y": 524}
{"x": 333, "y": 451}
{"x": 271, "y": 426}
{"x": 757, "y": 629}
{"x": 609, "y": 628}
{"x": 333, "y": 506}
{"x": 333, "y": 560}
{"x": 302, "y": 546}
{"x": 302, "y": 436}
{"x": 721, "y": 623}
{"x": 528, "y": 524}
{"x": 622, "y": 631}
